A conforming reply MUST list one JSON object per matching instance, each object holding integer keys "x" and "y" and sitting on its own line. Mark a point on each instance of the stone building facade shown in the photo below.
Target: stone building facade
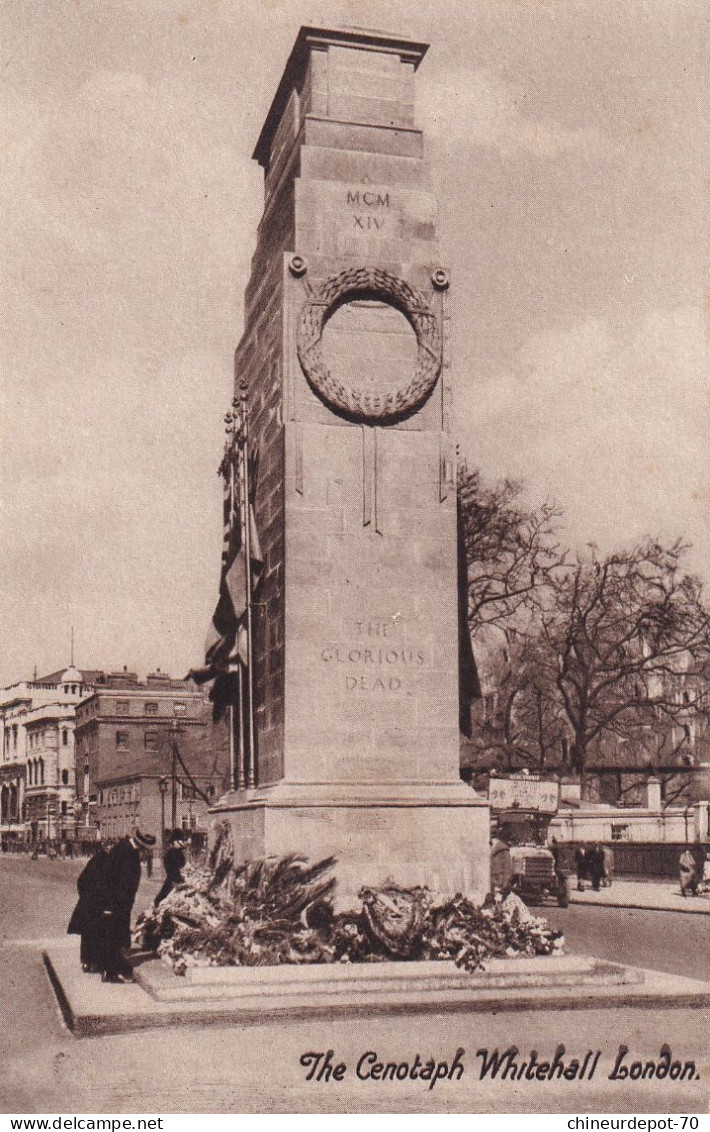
{"x": 141, "y": 744}
{"x": 37, "y": 754}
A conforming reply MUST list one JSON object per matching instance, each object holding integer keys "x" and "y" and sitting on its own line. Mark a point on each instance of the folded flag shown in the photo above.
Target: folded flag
{"x": 227, "y": 643}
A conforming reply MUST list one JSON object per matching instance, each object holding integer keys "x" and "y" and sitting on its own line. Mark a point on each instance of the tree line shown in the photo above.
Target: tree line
{"x": 583, "y": 659}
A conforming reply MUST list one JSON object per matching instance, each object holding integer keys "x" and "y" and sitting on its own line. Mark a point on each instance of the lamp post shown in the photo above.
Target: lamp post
{"x": 163, "y": 788}
{"x": 174, "y": 729}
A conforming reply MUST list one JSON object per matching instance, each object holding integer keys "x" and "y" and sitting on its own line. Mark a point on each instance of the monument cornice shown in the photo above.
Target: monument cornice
{"x": 320, "y": 39}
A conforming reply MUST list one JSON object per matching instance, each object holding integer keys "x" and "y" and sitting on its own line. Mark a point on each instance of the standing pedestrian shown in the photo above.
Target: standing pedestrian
{"x": 174, "y": 862}
{"x": 87, "y": 920}
{"x": 123, "y": 877}
{"x": 688, "y": 874}
{"x": 595, "y": 865}
{"x": 608, "y": 865}
{"x": 580, "y": 862}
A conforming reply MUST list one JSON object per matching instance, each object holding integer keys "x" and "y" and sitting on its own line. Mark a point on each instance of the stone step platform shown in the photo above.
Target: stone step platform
{"x": 248, "y": 996}
{"x": 374, "y": 981}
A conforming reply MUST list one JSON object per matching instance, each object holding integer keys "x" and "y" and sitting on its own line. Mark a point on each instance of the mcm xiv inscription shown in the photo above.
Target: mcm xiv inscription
{"x": 371, "y": 202}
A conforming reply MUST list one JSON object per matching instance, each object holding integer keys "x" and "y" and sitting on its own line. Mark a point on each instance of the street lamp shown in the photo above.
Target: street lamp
{"x": 163, "y": 788}
{"x": 174, "y": 732}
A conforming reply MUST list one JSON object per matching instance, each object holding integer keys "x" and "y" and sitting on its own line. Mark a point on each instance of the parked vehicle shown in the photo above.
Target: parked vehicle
{"x": 522, "y": 808}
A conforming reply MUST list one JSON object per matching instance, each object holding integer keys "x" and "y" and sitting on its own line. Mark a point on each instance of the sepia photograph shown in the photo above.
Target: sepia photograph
{"x": 355, "y": 552}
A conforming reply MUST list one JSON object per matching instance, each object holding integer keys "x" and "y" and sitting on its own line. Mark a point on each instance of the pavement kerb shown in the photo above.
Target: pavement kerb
{"x": 623, "y": 898}
{"x": 643, "y": 907}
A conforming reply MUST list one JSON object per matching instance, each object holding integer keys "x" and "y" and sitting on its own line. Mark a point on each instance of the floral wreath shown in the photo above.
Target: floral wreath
{"x": 375, "y": 283}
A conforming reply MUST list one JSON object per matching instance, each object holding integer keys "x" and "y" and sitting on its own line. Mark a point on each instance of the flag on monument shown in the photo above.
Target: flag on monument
{"x": 227, "y": 643}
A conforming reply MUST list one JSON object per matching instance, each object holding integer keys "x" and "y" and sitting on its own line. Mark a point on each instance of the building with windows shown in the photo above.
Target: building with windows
{"x": 147, "y": 756}
{"x": 37, "y": 754}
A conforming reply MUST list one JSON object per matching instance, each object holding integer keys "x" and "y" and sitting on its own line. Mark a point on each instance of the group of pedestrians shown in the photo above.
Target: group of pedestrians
{"x": 107, "y": 888}
{"x": 594, "y": 863}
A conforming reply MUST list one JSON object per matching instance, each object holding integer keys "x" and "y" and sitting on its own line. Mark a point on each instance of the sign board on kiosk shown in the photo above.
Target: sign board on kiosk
{"x": 523, "y": 793}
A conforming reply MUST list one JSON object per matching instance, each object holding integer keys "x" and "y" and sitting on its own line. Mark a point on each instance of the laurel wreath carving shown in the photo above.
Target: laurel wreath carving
{"x": 373, "y": 283}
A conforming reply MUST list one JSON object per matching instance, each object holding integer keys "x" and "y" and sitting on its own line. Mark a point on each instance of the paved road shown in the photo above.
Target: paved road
{"x": 256, "y": 1069}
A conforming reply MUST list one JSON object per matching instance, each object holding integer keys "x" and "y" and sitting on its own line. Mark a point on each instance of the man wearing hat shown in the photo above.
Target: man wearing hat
{"x": 173, "y": 863}
{"x": 123, "y": 875}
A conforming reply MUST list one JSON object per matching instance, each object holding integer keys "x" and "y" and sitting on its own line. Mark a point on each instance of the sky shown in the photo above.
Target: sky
{"x": 568, "y": 147}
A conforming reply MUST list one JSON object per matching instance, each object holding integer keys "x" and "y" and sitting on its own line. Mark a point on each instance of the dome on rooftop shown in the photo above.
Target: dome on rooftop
{"x": 72, "y": 676}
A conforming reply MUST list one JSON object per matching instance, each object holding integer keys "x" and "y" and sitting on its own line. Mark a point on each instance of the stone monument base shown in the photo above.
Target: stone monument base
{"x": 257, "y": 995}
{"x": 433, "y": 834}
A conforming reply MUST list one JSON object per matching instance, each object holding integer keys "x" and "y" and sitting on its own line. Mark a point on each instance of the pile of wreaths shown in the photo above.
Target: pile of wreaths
{"x": 274, "y": 911}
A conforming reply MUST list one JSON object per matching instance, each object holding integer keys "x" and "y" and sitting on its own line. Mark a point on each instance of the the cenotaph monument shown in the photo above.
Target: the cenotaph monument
{"x": 345, "y": 362}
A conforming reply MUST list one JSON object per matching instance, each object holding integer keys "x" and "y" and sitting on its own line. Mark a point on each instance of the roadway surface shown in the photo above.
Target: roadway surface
{"x": 44, "y": 1069}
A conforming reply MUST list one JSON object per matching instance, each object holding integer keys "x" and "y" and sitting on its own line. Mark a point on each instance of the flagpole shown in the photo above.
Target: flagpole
{"x": 241, "y": 776}
{"x": 232, "y": 752}
{"x": 251, "y": 765}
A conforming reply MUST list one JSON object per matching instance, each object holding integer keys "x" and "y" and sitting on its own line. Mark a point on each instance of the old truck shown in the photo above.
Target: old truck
{"x": 522, "y": 807}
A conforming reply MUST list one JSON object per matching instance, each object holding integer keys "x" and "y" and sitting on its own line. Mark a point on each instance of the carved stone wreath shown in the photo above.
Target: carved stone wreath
{"x": 373, "y": 283}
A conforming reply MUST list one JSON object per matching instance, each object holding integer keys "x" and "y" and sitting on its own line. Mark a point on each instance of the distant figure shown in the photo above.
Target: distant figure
{"x": 123, "y": 877}
{"x": 595, "y": 866}
{"x": 608, "y": 866}
{"x": 706, "y": 872}
{"x": 501, "y": 865}
{"x": 688, "y": 874}
{"x": 173, "y": 862}
{"x": 87, "y": 919}
{"x": 580, "y": 862}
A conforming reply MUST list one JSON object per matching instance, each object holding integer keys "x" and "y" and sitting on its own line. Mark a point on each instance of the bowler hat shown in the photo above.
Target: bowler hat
{"x": 145, "y": 840}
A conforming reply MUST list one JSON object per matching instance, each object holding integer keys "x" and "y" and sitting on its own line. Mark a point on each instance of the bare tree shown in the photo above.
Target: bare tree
{"x": 518, "y": 721}
{"x": 627, "y": 647}
{"x": 510, "y": 549}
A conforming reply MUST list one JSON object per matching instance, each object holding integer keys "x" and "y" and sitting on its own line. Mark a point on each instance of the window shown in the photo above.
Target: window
{"x": 151, "y": 740}
{"x": 151, "y": 708}
{"x": 179, "y": 708}
{"x": 620, "y": 832}
{"x": 65, "y": 737}
{"x": 64, "y": 809}
{"x": 121, "y": 740}
{"x": 123, "y": 707}
{"x": 65, "y": 778}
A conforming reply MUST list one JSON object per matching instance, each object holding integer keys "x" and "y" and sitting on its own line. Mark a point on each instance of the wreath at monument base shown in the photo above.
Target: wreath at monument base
{"x": 378, "y": 284}
{"x": 280, "y": 910}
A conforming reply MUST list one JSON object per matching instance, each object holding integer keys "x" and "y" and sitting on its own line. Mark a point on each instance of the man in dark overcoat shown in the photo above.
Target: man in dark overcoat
{"x": 87, "y": 919}
{"x": 595, "y": 865}
{"x": 173, "y": 862}
{"x": 123, "y": 877}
